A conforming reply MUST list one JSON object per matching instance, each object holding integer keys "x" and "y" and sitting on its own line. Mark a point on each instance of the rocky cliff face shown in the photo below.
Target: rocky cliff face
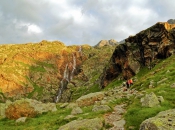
{"x": 37, "y": 70}
{"x": 143, "y": 49}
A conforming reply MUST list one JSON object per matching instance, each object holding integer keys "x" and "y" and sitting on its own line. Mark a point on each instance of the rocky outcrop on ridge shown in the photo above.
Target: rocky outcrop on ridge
{"x": 171, "y": 21}
{"x": 143, "y": 49}
{"x": 111, "y": 42}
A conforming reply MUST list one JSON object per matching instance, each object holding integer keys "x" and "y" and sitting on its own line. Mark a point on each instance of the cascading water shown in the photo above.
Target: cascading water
{"x": 63, "y": 83}
{"x": 67, "y": 76}
{"x": 74, "y": 66}
{"x": 80, "y": 50}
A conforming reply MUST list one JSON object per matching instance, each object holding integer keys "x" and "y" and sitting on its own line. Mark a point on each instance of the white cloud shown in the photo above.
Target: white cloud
{"x": 34, "y": 29}
{"x": 77, "y": 21}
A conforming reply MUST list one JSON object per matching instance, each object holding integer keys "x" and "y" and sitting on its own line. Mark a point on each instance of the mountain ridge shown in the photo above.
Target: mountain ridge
{"x": 72, "y": 76}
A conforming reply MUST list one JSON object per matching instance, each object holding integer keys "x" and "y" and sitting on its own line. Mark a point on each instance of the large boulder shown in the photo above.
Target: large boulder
{"x": 27, "y": 108}
{"x": 85, "y": 124}
{"x": 150, "y": 100}
{"x": 165, "y": 120}
{"x": 143, "y": 49}
{"x": 90, "y": 99}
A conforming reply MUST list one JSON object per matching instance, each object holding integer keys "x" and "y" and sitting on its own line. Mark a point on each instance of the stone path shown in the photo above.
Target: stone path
{"x": 116, "y": 118}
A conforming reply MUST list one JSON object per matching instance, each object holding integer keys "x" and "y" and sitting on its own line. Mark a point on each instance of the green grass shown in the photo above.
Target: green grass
{"x": 113, "y": 84}
{"x": 37, "y": 89}
{"x": 80, "y": 91}
{"x": 136, "y": 114}
{"x": 37, "y": 69}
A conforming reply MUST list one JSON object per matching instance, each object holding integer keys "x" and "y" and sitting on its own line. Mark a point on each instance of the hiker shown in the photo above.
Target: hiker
{"x": 129, "y": 82}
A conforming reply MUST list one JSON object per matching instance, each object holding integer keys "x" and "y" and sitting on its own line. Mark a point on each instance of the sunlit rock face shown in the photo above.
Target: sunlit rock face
{"x": 143, "y": 49}
{"x": 35, "y": 70}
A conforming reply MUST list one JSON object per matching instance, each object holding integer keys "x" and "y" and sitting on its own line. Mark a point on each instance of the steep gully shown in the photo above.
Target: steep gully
{"x": 67, "y": 75}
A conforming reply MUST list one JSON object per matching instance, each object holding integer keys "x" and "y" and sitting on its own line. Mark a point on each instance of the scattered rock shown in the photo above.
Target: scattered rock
{"x": 161, "y": 81}
{"x": 115, "y": 118}
{"x": 72, "y": 105}
{"x": 161, "y": 99}
{"x": 101, "y": 108}
{"x": 64, "y": 105}
{"x": 90, "y": 124}
{"x": 76, "y": 110}
{"x": 172, "y": 85}
{"x": 21, "y": 119}
{"x": 69, "y": 117}
{"x": 150, "y": 100}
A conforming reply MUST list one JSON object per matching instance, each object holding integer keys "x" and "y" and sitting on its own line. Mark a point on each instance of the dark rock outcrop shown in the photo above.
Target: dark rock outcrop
{"x": 143, "y": 49}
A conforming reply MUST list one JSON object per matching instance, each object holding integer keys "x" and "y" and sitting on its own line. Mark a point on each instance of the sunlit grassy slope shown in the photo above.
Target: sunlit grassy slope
{"x": 162, "y": 77}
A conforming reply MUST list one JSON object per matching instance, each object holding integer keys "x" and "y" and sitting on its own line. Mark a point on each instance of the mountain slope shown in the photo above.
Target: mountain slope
{"x": 44, "y": 70}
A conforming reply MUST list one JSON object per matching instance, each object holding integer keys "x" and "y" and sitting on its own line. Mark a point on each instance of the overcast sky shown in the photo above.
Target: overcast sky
{"x": 79, "y": 21}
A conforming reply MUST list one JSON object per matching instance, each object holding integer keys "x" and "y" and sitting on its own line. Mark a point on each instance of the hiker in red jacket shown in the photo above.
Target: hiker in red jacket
{"x": 129, "y": 83}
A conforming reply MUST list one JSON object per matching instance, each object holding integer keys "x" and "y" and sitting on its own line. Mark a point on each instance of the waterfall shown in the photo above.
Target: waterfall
{"x": 80, "y": 50}
{"x": 74, "y": 66}
{"x": 66, "y": 73}
{"x": 59, "y": 92}
{"x": 63, "y": 83}
{"x": 67, "y": 77}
